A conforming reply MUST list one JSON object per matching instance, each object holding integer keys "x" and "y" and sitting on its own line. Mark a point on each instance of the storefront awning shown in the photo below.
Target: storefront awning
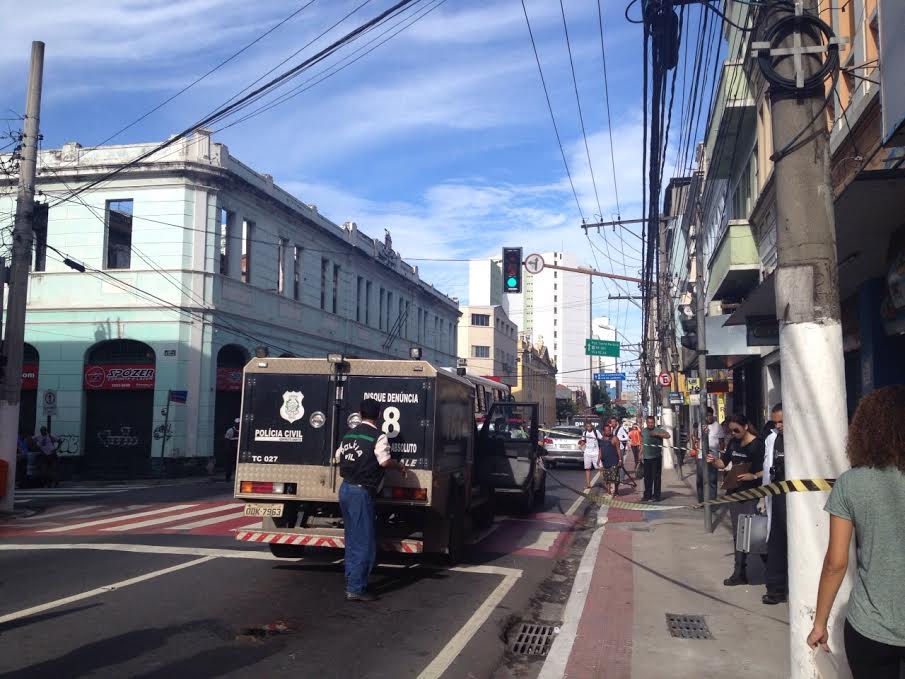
{"x": 761, "y": 302}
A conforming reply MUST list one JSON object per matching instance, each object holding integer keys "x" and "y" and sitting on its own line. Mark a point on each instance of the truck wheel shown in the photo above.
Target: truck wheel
{"x": 287, "y": 551}
{"x": 456, "y": 541}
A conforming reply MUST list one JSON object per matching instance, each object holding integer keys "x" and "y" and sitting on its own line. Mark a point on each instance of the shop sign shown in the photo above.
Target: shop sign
{"x": 119, "y": 377}
{"x": 229, "y": 379}
{"x": 29, "y": 377}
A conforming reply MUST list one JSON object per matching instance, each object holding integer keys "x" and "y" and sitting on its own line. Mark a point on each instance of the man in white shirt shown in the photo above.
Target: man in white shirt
{"x": 232, "y": 449}
{"x": 590, "y": 444}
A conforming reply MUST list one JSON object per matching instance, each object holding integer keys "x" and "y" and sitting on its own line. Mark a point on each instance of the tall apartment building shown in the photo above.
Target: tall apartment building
{"x": 555, "y": 307}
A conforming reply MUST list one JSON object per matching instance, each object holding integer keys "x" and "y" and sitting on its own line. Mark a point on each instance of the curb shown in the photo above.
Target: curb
{"x": 555, "y": 664}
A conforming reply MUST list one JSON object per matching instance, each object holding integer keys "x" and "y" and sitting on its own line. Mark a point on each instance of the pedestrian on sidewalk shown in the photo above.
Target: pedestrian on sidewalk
{"x": 868, "y": 501}
{"x": 716, "y": 443}
{"x": 748, "y": 450}
{"x": 363, "y": 456}
{"x": 634, "y": 437}
{"x": 610, "y": 456}
{"x": 47, "y": 459}
{"x": 777, "y": 545}
{"x": 590, "y": 444}
{"x": 232, "y": 450}
{"x": 652, "y": 438}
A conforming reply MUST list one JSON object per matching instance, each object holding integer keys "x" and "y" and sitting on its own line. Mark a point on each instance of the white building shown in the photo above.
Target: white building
{"x": 555, "y": 306}
{"x": 485, "y": 284}
{"x": 193, "y": 260}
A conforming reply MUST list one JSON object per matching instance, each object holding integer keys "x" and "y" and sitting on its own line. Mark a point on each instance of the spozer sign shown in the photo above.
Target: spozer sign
{"x": 119, "y": 377}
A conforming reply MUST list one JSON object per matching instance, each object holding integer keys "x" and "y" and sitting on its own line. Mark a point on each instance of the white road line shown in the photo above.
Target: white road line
{"x": 208, "y": 522}
{"x": 114, "y": 519}
{"x": 455, "y": 645}
{"x": 543, "y": 540}
{"x": 174, "y": 517}
{"x": 51, "y": 515}
{"x": 146, "y": 549}
{"x": 575, "y": 505}
{"x": 26, "y": 612}
{"x": 251, "y": 526}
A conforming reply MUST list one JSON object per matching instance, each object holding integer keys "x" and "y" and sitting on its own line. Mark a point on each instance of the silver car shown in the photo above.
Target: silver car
{"x": 561, "y": 444}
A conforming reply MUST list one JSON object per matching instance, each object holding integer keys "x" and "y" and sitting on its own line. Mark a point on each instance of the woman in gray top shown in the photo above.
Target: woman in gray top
{"x": 869, "y": 500}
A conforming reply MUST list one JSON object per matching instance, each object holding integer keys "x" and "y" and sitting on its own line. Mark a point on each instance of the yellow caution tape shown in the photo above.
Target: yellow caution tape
{"x": 778, "y": 488}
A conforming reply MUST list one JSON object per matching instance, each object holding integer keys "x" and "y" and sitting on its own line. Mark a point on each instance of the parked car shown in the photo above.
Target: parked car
{"x": 561, "y": 444}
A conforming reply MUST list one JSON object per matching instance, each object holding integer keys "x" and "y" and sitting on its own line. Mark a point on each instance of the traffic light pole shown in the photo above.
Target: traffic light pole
{"x": 14, "y": 338}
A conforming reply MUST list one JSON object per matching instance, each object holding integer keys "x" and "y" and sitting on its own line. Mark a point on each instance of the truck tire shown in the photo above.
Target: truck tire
{"x": 287, "y": 551}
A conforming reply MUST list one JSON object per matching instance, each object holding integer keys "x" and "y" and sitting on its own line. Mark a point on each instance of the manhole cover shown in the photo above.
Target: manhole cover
{"x": 532, "y": 639}
{"x": 688, "y": 626}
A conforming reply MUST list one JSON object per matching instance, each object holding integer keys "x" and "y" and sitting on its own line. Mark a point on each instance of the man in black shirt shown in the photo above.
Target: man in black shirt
{"x": 777, "y": 546}
{"x": 746, "y": 453}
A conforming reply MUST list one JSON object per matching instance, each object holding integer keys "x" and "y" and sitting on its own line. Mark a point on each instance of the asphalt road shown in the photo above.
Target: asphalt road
{"x": 131, "y": 581}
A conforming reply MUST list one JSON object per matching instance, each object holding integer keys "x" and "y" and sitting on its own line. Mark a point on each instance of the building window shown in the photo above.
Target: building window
{"x": 480, "y": 319}
{"x": 380, "y": 311}
{"x": 282, "y": 248}
{"x": 478, "y": 351}
{"x": 119, "y": 234}
{"x": 359, "y": 293}
{"x": 224, "y": 233}
{"x": 418, "y": 330}
{"x": 325, "y": 271}
{"x": 387, "y": 324}
{"x": 39, "y": 228}
{"x": 555, "y": 333}
{"x": 296, "y": 272}
{"x": 248, "y": 233}
{"x": 335, "y": 290}
{"x": 367, "y": 302}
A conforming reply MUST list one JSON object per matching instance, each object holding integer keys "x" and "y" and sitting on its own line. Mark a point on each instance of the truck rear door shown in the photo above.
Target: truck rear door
{"x": 286, "y": 419}
{"x": 405, "y": 420}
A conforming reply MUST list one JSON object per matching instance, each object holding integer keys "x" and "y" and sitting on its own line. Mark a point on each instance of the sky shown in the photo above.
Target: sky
{"x": 441, "y": 135}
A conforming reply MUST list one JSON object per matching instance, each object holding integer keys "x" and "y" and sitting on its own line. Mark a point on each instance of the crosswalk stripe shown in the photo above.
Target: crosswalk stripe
{"x": 232, "y": 516}
{"x": 174, "y": 517}
{"x": 114, "y": 519}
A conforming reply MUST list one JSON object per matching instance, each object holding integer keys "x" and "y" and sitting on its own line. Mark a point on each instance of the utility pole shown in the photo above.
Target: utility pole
{"x": 663, "y": 310}
{"x": 807, "y": 307}
{"x": 14, "y": 339}
{"x": 701, "y": 321}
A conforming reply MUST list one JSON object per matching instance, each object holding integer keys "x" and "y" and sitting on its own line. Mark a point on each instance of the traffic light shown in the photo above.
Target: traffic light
{"x": 512, "y": 270}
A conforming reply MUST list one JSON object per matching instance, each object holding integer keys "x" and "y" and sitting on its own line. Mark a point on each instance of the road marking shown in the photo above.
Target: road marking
{"x": 52, "y": 515}
{"x": 575, "y": 505}
{"x": 145, "y": 549}
{"x": 174, "y": 517}
{"x": 544, "y": 540}
{"x": 26, "y": 612}
{"x": 208, "y": 522}
{"x": 251, "y": 526}
{"x": 455, "y": 645}
{"x": 114, "y": 519}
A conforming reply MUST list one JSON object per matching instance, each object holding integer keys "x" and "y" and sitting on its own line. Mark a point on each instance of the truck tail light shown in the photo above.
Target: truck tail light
{"x": 417, "y": 494}
{"x": 267, "y": 487}
{"x": 547, "y": 441}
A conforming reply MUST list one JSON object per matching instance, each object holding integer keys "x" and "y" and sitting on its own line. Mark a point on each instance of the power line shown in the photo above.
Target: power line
{"x": 550, "y": 108}
{"x": 609, "y": 115}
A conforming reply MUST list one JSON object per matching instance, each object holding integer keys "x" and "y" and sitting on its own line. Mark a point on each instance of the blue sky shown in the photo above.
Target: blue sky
{"x": 441, "y": 135}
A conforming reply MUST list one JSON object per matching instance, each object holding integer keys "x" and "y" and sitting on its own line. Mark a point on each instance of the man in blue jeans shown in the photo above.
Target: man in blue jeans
{"x": 363, "y": 455}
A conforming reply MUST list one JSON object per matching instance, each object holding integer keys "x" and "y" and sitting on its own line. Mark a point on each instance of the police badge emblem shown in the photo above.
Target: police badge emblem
{"x": 292, "y": 409}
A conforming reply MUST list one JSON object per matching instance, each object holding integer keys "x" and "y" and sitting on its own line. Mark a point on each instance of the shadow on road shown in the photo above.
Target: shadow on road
{"x": 44, "y": 617}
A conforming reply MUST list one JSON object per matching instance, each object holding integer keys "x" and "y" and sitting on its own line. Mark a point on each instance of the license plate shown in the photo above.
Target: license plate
{"x": 261, "y": 509}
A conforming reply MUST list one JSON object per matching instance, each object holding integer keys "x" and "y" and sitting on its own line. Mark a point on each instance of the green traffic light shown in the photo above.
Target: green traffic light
{"x": 511, "y": 281}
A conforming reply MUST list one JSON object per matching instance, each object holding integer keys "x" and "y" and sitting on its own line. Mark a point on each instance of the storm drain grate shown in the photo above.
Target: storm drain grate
{"x": 688, "y": 626}
{"x": 533, "y": 639}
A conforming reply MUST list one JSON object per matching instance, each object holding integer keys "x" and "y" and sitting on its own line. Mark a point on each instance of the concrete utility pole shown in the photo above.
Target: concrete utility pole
{"x": 14, "y": 339}
{"x": 664, "y": 308}
{"x": 810, "y": 333}
{"x": 701, "y": 322}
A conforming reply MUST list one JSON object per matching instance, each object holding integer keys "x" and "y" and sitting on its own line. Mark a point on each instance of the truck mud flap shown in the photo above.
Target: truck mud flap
{"x": 405, "y": 546}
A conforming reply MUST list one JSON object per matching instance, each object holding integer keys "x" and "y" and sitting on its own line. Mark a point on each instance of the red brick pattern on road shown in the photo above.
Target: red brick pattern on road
{"x": 603, "y": 644}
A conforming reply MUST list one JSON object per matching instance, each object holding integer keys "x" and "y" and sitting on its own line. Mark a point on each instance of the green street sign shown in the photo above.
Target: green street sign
{"x": 595, "y": 347}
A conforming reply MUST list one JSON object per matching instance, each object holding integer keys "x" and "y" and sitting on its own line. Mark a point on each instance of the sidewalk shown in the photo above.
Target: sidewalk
{"x": 642, "y": 565}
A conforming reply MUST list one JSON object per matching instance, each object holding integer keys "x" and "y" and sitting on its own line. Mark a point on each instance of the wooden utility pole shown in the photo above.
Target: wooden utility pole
{"x": 807, "y": 306}
{"x": 14, "y": 338}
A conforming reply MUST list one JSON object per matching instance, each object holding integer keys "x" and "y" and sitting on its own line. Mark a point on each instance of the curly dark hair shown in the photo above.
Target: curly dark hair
{"x": 876, "y": 437}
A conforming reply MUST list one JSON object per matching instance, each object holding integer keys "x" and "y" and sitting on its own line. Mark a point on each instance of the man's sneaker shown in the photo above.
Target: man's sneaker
{"x": 736, "y": 579}
{"x": 360, "y": 596}
{"x": 773, "y": 599}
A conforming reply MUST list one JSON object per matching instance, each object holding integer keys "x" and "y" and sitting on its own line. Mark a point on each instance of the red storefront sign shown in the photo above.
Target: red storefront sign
{"x": 29, "y": 377}
{"x": 229, "y": 379}
{"x": 119, "y": 377}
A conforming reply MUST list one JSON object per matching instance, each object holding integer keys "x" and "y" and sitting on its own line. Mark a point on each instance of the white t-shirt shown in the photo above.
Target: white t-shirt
{"x": 591, "y": 445}
{"x": 622, "y": 434}
{"x": 714, "y": 435}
